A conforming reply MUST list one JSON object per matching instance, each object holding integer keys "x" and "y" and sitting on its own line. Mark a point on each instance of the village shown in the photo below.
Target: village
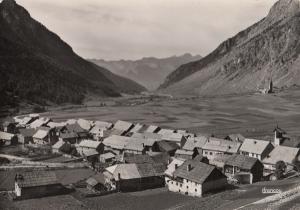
{"x": 128, "y": 157}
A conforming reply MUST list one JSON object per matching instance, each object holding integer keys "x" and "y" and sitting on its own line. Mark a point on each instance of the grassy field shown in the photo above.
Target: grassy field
{"x": 251, "y": 115}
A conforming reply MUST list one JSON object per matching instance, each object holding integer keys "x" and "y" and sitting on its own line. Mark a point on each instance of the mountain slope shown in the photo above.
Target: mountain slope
{"x": 40, "y": 67}
{"x": 149, "y": 72}
{"x": 267, "y": 50}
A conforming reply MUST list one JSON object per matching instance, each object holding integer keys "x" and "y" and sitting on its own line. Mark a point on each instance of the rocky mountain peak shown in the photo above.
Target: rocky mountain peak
{"x": 284, "y": 9}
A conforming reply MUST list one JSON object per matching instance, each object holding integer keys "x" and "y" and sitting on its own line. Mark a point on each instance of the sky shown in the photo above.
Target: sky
{"x": 132, "y": 29}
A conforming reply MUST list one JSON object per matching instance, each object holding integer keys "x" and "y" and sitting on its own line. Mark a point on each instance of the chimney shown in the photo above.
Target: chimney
{"x": 119, "y": 176}
{"x": 189, "y": 167}
{"x": 176, "y": 166}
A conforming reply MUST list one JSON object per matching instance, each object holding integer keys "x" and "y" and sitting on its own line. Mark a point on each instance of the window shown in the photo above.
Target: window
{"x": 210, "y": 153}
{"x": 187, "y": 187}
{"x": 206, "y": 152}
{"x": 195, "y": 189}
{"x": 180, "y": 185}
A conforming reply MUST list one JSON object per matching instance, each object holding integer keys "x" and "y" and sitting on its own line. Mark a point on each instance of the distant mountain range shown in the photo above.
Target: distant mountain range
{"x": 149, "y": 72}
{"x": 37, "y": 66}
{"x": 268, "y": 50}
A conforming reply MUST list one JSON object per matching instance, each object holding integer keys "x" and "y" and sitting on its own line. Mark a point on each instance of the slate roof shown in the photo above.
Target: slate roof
{"x": 40, "y": 134}
{"x": 254, "y": 146}
{"x": 137, "y": 128}
{"x": 56, "y": 124}
{"x": 167, "y": 146}
{"x": 165, "y": 132}
{"x": 122, "y": 125}
{"x": 241, "y": 161}
{"x": 58, "y": 145}
{"x": 85, "y": 124}
{"x": 236, "y": 137}
{"x": 184, "y": 152}
{"x": 103, "y": 124}
{"x": 89, "y": 144}
{"x": 221, "y": 145}
{"x": 39, "y": 122}
{"x": 196, "y": 142}
{"x": 219, "y": 160}
{"x": 97, "y": 130}
{"x": 68, "y": 135}
{"x": 6, "y": 136}
{"x": 147, "y": 136}
{"x": 36, "y": 178}
{"x": 291, "y": 142}
{"x": 134, "y": 158}
{"x": 174, "y": 137}
{"x": 152, "y": 129}
{"x": 286, "y": 154}
{"x": 96, "y": 179}
{"x": 199, "y": 171}
{"x": 117, "y": 142}
{"x": 108, "y": 155}
{"x": 75, "y": 128}
{"x": 127, "y": 171}
{"x": 29, "y": 132}
{"x": 171, "y": 167}
{"x": 135, "y": 145}
{"x": 88, "y": 152}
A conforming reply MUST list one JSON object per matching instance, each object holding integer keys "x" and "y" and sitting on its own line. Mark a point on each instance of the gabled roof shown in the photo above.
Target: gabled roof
{"x": 39, "y": 122}
{"x": 219, "y": 160}
{"x": 75, "y": 128}
{"x": 58, "y": 145}
{"x": 97, "y": 130}
{"x": 134, "y": 158}
{"x": 41, "y": 134}
{"x": 254, "y": 146}
{"x": 184, "y": 152}
{"x": 36, "y": 178}
{"x": 137, "y": 128}
{"x": 85, "y": 124}
{"x": 71, "y": 121}
{"x": 103, "y": 124}
{"x": 6, "y": 136}
{"x": 167, "y": 146}
{"x": 286, "y": 154}
{"x": 291, "y": 142}
{"x": 88, "y": 152}
{"x": 221, "y": 145}
{"x": 96, "y": 179}
{"x": 172, "y": 166}
{"x": 199, "y": 171}
{"x": 241, "y": 161}
{"x": 174, "y": 137}
{"x": 147, "y": 136}
{"x": 152, "y": 129}
{"x": 89, "y": 144}
{"x": 196, "y": 142}
{"x": 122, "y": 125}
{"x": 165, "y": 132}
{"x": 107, "y": 155}
{"x": 236, "y": 137}
{"x": 117, "y": 142}
{"x": 56, "y": 124}
{"x": 135, "y": 145}
{"x": 68, "y": 135}
{"x": 24, "y": 121}
{"x": 29, "y": 132}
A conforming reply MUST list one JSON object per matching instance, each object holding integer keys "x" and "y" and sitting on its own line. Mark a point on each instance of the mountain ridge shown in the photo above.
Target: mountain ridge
{"x": 246, "y": 62}
{"x": 147, "y": 71}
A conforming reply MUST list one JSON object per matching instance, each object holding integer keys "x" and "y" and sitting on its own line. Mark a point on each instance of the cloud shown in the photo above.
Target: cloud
{"x": 136, "y": 28}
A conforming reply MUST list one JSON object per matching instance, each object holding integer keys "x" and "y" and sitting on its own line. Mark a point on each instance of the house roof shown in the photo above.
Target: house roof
{"x": 135, "y": 145}
{"x": 171, "y": 167}
{"x": 152, "y": 129}
{"x": 39, "y": 122}
{"x": 137, "y": 128}
{"x": 117, "y": 142}
{"x": 96, "y": 179}
{"x": 68, "y": 135}
{"x": 219, "y": 160}
{"x": 97, "y": 130}
{"x": 174, "y": 137}
{"x": 56, "y": 124}
{"x": 236, "y": 137}
{"x": 6, "y": 136}
{"x": 241, "y": 161}
{"x": 286, "y": 154}
{"x": 149, "y": 169}
{"x": 89, "y": 144}
{"x": 71, "y": 121}
{"x": 88, "y": 152}
{"x": 107, "y": 155}
{"x": 221, "y": 145}
{"x": 147, "y": 136}
{"x": 195, "y": 142}
{"x": 159, "y": 157}
{"x": 291, "y": 142}
{"x": 167, "y": 146}
{"x": 165, "y": 132}
{"x": 134, "y": 158}
{"x": 29, "y": 132}
{"x": 122, "y": 125}
{"x": 85, "y": 124}
{"x": 58, "y": 145}
{"x": 103, "y": 124}
{"x": 75, "y": 128}
{"x": 184, "y": 152}
{"x": 36, "y": 178}
{"x": 40, "y": 134}
{"x": 199, "y": 171}
{"x": 24, "y": 121}
{"x": 254, "y": 146}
